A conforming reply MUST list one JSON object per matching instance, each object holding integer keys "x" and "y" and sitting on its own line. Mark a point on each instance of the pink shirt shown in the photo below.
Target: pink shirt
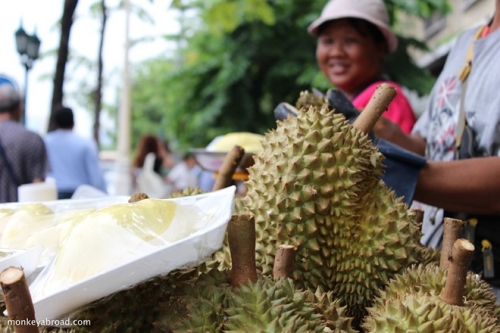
{"x": 399, "y": 111}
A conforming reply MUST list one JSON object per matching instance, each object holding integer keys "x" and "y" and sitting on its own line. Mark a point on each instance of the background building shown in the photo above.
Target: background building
{"x": 440, "y": 32}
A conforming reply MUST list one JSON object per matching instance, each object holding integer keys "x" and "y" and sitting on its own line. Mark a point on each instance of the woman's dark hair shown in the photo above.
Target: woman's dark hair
{"x": 147, "y": 144}
{"x": 363, "y": 27}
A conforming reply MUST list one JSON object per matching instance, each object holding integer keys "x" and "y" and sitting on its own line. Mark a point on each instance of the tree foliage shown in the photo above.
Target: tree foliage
{"x": 238, "y": 60}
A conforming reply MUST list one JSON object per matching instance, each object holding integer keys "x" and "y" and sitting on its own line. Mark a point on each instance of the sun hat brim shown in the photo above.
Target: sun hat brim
{"x": 339, "y": 13}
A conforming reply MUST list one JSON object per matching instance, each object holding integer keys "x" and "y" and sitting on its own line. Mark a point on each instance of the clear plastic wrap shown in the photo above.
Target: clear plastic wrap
{"x": 116, "y": 247}
{"x": 31, "y": 225}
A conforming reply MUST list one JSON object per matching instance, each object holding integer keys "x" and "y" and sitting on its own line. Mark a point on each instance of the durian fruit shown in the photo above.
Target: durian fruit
{"x": 219, "y": 301}
{"x": 418, "y": 301}
{"x": 209, "y": 304}
{"x": 334, "y": 314}
{"x": 422, "y": 279}
{"x": 196, "y": 304}
{"x": 316, "y": 185}
{"x": 271, "y": 306}
{"x": 307, "y": 99}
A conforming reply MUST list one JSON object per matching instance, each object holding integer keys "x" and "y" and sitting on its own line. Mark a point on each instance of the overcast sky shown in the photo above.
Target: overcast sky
{"x": 43, "y": 15}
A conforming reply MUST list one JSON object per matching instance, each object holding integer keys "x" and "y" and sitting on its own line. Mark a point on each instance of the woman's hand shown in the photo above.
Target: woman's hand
{"x": 390, "y": 131}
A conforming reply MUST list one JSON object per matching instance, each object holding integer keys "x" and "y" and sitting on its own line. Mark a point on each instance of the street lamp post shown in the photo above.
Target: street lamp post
{"x": 27, "y": 47}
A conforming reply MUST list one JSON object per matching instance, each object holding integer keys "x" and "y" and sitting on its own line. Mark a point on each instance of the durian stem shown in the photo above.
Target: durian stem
{"x": 451, "y": 232}
{"x": 241, "y": 237}
{"x": 18, "y": 300}
{"x": 228, "y": 167}
{"x": 460, "y": 260}
{"x": 136, "y": 197}
{"x": 378, "y": 103}
{"x": 283, "y": 262}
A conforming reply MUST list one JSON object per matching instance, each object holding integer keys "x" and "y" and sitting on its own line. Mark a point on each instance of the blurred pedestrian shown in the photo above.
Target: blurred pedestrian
{"x": 150, "y": 166}
{"x": 163, "y": 157}
{"x": 185, "y": 174}
{"x": 23, "y": 157}
{"x": 74, "y": 160}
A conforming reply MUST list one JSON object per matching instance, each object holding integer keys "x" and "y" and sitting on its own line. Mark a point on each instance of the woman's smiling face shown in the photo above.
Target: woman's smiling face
{"x": 348, "y": 58}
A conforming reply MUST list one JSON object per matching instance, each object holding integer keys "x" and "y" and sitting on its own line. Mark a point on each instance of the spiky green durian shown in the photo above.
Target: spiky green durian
{"x": 428, "y": 314}
{"x": 196, "y": 304}
{"x": 316, "y": 185}
{"x": 307, "y": 99}
{"x": 425, "y": 279}
{"x": 333, "y": 313}
{"x": 209, "y": 304}
{"x": 411, "y": 303}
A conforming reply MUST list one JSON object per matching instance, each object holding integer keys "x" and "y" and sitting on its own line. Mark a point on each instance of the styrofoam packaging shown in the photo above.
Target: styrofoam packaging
{"x": 37, "y": 192}
{"x": 157, "y": 260}
{"x": 27, "y": 259}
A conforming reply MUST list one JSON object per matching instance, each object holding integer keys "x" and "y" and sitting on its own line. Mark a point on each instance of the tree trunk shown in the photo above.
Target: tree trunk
{"x": 98, "y": 90}
{"x": 62, "y": 55}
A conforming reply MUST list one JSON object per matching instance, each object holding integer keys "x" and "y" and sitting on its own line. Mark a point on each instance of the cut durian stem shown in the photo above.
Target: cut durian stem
{"x": 283, "y": 262}
{"x": 241, "y": 237}
{"x": 451, "y": 232}
{"x": 228, "y": 167}
{"x": 459, "y": 262}
{"x": 138, "y": 197}
{"x": 18, "y": 300}
{"x": 378, "y": 103}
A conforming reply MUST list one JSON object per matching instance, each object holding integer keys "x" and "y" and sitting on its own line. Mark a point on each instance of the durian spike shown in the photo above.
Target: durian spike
{"x": 378, "y": 103}
{"x": 451, "y": 232}
{"x": 18, "y": 299}
{"x": 241, "y": 237}
{"x": 461, "y": 257}
{"x": 283, "y": 262}
{"x": 228, "y": 167}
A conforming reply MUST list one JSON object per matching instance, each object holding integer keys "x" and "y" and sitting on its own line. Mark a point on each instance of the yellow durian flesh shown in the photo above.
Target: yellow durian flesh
{"x": 26, "y": 220}
{"x": 52, "y": 237}
{"x": 117, "y": 234}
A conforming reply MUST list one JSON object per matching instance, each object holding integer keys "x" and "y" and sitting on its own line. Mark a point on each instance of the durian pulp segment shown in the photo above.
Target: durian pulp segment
{"x": 29, "y": 219}
{"x": 4, "y": 253}
{"x": 4, "y": 212}
{"x": 51, "y": 237}
{"x": 117, "y": 234}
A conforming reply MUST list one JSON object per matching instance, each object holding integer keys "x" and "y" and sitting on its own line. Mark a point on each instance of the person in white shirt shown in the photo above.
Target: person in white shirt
{"x": 185, "y": 173}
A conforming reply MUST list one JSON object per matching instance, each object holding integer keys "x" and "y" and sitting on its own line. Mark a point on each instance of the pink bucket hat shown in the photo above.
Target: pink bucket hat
{"x": 373, "y": 11}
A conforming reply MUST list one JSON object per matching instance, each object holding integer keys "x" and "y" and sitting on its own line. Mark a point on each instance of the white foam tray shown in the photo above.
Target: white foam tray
{"x": 27, "y": 259}
{"x": 187, "y": 252}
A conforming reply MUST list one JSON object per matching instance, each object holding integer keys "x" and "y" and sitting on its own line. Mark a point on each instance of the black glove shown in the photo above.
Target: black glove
{"x": 285, "y": 110}
{"x": 342, "y": 104}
